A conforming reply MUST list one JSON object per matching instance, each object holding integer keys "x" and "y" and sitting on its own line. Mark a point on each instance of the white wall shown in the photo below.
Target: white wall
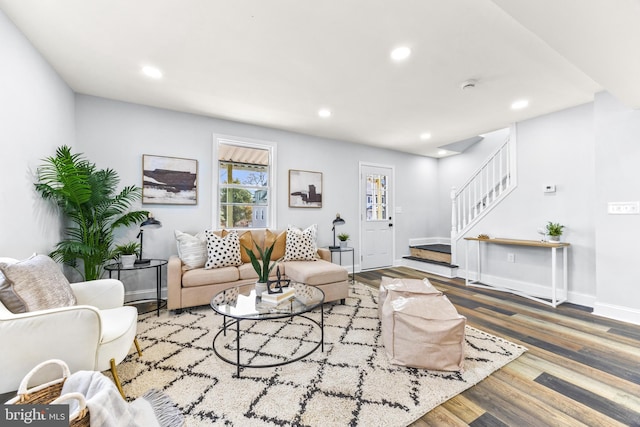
{"x": 554, "y": 149}
{"x": 116, "y": 134}
{"x": 36, "y": 116}
{"x": 617, "y": 155}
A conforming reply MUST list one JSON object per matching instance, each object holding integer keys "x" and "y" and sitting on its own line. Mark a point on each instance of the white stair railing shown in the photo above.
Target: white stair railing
{"x": 486, "y": 186}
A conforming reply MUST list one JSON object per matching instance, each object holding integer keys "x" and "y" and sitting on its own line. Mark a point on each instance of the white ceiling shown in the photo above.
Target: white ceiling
{"x": 277, "y": 62}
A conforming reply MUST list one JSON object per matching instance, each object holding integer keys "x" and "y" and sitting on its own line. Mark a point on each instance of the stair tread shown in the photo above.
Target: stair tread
{"x": 445, "y": 249}
{"x": 430, "y": 261}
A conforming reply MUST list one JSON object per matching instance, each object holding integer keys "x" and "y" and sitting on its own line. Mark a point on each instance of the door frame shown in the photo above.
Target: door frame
{"x": 362, "y": 212}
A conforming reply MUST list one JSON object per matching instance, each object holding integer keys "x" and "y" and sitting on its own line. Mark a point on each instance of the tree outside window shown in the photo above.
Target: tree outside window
{"x": 244, "y": 188}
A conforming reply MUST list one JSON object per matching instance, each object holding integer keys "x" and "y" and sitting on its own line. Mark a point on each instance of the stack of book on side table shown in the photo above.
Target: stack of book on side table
{"x": 287, "y": 294}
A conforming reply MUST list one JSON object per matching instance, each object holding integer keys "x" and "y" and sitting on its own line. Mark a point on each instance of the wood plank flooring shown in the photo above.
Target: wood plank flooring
{"x": 579, "y": 369}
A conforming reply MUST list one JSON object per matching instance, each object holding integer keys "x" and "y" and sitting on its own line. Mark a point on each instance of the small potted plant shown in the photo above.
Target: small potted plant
{"x": 128, "y": 253}
{"x": 554, "y": 230}
{"x": 262, "y": 268}
{"x": 343, "y": 237}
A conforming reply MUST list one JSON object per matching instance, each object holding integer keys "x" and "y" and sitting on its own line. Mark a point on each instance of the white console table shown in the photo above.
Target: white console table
{"x": 554, "y": 298}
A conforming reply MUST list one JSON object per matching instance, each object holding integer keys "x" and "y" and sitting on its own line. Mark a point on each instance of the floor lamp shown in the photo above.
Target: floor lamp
{"x": 337, "y": 221}
{"x": 147, "y": 224}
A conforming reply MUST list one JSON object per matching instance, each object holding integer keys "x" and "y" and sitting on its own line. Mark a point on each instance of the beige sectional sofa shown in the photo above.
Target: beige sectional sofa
{"x": 194, "y": 287}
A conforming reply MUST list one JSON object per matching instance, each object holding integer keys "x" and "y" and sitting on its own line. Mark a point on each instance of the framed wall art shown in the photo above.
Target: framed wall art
{"x": 305, "y": 189}
{"x": 169, "y": 180}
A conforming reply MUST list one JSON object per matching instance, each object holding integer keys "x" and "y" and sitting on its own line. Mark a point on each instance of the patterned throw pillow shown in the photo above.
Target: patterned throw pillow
{"x": 301, "y": 244}
{"x": 38, "y": 284}
{"x": 222, "y": 251}
{"x": 192, "y": 250}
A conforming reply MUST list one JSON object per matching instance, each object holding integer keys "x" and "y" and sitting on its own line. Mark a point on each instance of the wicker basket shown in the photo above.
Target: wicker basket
{"x": 49, "y": 393}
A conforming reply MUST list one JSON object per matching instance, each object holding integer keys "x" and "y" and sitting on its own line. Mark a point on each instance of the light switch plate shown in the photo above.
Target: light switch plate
{"x": 623, "y": 208}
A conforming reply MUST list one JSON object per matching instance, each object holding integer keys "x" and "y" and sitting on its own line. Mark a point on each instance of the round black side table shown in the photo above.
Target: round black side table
{"x": 147, "y": 305}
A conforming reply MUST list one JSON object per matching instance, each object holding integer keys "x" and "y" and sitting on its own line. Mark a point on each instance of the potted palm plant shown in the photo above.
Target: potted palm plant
{"x": 262, "y": 266}
{"x": 128, "y": 253}
{"x": 87, "y": 198}
{"x": 554, "y": 230}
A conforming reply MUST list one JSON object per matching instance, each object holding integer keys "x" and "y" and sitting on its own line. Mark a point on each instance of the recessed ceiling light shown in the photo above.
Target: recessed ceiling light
{"x": 424, "y": 136}
{"x": 400, "y": 53}
{"x": 520, "y": 104}
{"x": 324, "y": 112}
{"x": 152, "y": 72}
{"x": 442, "y": 152}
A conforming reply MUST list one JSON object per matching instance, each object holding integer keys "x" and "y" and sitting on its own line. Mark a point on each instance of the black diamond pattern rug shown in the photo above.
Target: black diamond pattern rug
{"x": 351, "y": 383}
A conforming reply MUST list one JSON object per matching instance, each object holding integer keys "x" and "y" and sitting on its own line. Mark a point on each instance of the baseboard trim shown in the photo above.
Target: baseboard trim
{"x": 142, "y": 294}
{"x": 617, "y": 312}
{"x": 533, "y": 289}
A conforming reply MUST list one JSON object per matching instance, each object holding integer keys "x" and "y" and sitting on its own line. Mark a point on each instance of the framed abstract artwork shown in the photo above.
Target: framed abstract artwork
{"x": 305, "y": 189}
{"x": 169, "y": 180}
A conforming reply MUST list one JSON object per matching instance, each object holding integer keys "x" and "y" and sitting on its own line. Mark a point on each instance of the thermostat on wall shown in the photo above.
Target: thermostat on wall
{"x": 550, "y": 188}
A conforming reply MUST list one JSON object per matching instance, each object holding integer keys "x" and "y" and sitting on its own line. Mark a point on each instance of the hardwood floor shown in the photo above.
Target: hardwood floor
{"x": 579, "y": 369}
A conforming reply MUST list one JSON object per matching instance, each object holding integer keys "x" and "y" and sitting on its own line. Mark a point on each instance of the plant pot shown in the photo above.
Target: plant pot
{"x": 260, "y": 288}
{"x": 343, "y": 243}
{"x": 127, "y": 261}
{"x": 554, "y": 238}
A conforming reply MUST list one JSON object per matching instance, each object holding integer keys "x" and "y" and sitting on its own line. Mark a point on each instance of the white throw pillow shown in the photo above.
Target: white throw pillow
{"x": 301, "y": 244}
{"x": 37, "y": 284}
{"x": 192, "y": 250}
{"x": 222, "y": 251}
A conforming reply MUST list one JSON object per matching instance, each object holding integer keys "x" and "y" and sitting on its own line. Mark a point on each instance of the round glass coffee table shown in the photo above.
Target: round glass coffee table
{"x": 241, "y": 303}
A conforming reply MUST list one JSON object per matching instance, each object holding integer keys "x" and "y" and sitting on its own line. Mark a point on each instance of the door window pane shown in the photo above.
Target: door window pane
{"x": 377, "y": 197}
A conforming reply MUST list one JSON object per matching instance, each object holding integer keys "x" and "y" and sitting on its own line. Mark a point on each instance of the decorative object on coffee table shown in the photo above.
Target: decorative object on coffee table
{"x": 263, "y": 269}
{"x": 275, "y": 286}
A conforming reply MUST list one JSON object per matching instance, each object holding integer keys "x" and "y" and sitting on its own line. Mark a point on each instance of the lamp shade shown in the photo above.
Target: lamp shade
{"x": 338, "y": 220}
{"x": 150, "y": 223}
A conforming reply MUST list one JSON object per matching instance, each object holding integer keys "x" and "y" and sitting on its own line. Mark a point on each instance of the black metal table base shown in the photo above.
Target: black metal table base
{"x": 239, "y": 365}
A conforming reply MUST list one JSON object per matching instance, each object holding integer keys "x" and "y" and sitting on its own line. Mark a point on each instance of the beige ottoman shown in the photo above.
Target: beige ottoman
{"x": 331, "y": 278}
{"x": 420, "y": 326}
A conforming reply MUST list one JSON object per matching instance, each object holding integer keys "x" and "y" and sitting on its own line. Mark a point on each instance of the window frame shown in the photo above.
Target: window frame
{"x": 271, "y": 187}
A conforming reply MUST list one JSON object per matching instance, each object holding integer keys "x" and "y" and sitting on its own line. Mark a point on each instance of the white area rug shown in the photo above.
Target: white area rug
{"x": 349, "y": 384}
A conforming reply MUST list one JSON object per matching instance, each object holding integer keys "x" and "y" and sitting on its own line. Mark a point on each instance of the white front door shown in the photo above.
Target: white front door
{"x": 375, "y": 212}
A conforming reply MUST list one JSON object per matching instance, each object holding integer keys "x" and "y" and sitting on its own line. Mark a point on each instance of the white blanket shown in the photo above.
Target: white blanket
{"x": 107, "y": 408}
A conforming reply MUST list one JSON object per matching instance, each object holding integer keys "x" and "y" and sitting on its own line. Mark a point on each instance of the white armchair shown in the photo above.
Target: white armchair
{"x": 96, "y": 334}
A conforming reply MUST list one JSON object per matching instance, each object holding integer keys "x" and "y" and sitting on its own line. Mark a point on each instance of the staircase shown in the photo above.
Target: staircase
{"x": 484, "y": 190}
{"x": 432, "y": 258}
